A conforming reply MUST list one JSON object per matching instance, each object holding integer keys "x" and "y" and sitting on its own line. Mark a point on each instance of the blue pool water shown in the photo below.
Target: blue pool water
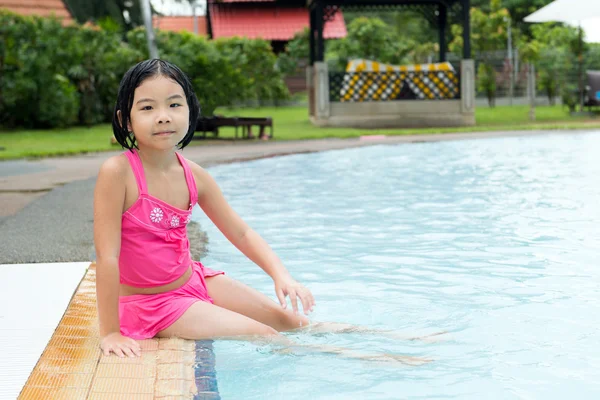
{"x": 494, "y": 240}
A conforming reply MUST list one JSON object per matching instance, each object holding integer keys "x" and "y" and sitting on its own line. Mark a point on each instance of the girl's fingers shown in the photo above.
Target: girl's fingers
{"x": 305, "y": 303}
{"x": 128, "y": 351}
{"x": 137, "y": 350}
{"x": 281, "y": 298}
{"x": 135, "y": 346}
{"x": 118, "y": 352}
{"x": 293, "y": 294}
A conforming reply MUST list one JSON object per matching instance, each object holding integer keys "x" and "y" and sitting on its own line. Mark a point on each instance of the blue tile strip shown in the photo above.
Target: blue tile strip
{"x": 205, "y": 372}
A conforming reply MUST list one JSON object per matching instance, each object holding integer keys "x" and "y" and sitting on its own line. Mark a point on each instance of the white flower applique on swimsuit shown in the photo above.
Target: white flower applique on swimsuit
{"x": 174, "y": 221}
{"x": 156, "y": 215}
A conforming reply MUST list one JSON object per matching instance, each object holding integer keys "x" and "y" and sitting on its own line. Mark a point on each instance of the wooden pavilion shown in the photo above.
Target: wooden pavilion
{"x": 424, "y": 95}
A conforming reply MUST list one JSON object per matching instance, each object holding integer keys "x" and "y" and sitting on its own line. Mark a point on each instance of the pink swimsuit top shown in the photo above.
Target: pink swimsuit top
{"x": 155, "y": 249}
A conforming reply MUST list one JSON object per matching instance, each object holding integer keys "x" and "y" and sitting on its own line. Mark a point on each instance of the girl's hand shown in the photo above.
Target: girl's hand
{"x": 287, "y": 286}
{"x": 120, "y": 345}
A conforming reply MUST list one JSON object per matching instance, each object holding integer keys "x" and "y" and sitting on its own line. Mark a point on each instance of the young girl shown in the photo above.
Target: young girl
{"x": 147, "y": 284}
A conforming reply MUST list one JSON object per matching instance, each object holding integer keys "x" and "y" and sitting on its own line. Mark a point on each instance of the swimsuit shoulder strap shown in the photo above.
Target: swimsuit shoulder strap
{"x": 189, "y": 178}
{"x": 138, "y": 170}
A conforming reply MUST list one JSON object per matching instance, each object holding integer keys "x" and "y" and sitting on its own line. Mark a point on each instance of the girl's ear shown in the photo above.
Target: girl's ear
{"x": 121, "y": 121}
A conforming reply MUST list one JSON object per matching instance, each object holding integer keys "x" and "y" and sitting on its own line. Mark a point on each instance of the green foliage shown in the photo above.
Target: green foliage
{"x": 486, "y": 82}
{"x": 553, "y": 44}
{"x": 393, "y": 37}
{"x": 488, "y": 30}
{"x": 223, "y": 72}
{"x": 55, "y": 76}
{"x": 592, "y": 57}
{"x": 58, "y": 103}
{"x": 488, "y": 34}
{"x": 257, "y": 63}
{"x": 297, "y": 49}
{"x": 368, "y": 38}
{"x": 31, "y": 72}
{"x": 421, "y": 52}
{"x": 409, "y": 24}
{"x": 214, "y": 80}
{"x": 102, "y": 10}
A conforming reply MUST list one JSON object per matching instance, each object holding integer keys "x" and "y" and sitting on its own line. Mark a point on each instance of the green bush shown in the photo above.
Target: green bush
{"x": 258, "y": 64}
{"x": 53, "y": 75}
{"x": 486, "y": 82}
{"x": 223, "y": 72}
{"x": 58, "y": 105}
{"x": 369, "y": 38}
{"x": 296, "y": 50}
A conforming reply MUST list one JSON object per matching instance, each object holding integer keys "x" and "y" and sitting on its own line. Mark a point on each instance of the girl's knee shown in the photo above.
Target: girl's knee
{"x": 266, "y": 330}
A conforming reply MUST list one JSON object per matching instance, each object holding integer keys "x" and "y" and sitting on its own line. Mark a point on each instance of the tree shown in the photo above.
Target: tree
{"x": 488, "y": 34}
{"x": 406, "y": 23}
{"x": 553, "y": 60}
{"x": 518, "y": 9}
{"x": 126, "y": 13}
{"x": 369, "y": 38}
{"x": 296, "y": 50}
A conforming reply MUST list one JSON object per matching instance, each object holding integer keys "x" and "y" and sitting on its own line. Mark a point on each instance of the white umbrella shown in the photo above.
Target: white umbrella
{"x": 580, "y": 13}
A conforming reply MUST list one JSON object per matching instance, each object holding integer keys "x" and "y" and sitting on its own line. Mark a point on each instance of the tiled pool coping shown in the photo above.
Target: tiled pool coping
{"x": 72, "y": 366}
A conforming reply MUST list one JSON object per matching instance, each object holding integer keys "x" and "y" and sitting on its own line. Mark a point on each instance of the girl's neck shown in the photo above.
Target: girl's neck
{"x": 157, "y": 159}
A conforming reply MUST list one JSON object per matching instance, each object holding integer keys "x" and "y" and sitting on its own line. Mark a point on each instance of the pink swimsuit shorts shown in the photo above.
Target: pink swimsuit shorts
{"x": 142, "y": 316}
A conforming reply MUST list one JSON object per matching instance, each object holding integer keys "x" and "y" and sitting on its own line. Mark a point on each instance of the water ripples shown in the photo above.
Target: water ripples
{"x": 494, "y": 240}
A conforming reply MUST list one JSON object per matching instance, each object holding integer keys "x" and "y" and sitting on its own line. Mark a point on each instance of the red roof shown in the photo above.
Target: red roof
{"x": 180, "y": 23}
{"x": 270, "y": 23}
{"x": 43, "y": 8}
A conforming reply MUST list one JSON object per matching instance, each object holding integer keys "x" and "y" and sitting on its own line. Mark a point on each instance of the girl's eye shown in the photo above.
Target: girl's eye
{"x": 176, "y": 104}
{"x": 147, "y": 108}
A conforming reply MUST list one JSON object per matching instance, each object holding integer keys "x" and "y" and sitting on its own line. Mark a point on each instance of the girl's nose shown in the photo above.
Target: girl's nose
{"x": 163, "y": 118}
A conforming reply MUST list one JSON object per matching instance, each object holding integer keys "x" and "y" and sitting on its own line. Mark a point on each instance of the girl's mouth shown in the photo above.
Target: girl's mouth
{"x": 164, "y": 133}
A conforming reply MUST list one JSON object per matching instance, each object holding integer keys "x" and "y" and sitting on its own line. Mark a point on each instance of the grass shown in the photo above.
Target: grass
{"x": 290, "y": 123}
{"x": 57, "y": 142}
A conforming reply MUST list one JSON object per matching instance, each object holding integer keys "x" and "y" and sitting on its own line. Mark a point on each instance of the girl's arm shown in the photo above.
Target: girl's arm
{"x": 109, "y": 198}
{"x": 250, "y": 243}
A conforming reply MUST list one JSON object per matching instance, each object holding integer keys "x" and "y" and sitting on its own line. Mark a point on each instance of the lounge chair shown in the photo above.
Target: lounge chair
{"x": 592, "y": 89}
{"x": 247, "y": 122}
{"x": 212, "y": 124}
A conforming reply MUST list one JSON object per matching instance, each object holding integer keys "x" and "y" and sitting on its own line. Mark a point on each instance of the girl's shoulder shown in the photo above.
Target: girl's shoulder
{"x": 198, "y": 172}
{"x": 116, "y": 166}
{"x": 202, "y": 178}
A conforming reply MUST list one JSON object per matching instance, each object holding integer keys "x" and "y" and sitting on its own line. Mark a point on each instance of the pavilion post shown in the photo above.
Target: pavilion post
{"x": 311, "y": 36}
{"x": 319, "y": 23}
{"x": 466, "y": 9}
{"x": 321, "y": 90}
{"x": 442, "y": 22}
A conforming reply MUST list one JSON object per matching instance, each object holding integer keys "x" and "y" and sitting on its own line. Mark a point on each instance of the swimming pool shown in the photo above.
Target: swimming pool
{"x": 494, "y": 240}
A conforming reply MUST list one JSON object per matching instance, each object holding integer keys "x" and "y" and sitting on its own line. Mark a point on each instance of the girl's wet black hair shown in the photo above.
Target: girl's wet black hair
{"x": 134, "y": 78}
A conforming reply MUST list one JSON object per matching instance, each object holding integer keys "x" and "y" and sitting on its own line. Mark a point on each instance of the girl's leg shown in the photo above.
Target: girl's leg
{"x": 207, "y": 321}
{"x": 235, "y": 296}
{"x": 335, "y": 327}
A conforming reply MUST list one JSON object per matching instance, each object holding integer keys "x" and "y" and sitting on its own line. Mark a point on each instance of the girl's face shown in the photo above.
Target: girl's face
{"x": 160, "y": 115}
